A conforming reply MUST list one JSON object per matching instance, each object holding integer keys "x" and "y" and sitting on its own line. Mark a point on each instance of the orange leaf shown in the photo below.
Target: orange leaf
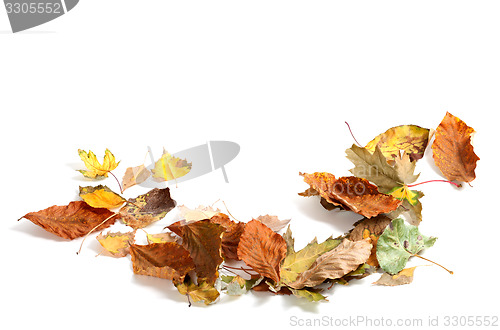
{"x": 262, "y": 249}
{"x": 352, "y": 193}
{"x": 73, "y": 220}
{"x": 164, "y": 260}
{"x": 452, "y": 149}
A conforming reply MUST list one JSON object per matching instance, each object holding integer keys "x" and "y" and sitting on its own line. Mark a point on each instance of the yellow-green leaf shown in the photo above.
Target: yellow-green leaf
{"x": 203, "y": 292}
{"x": 412, "y": 139}
{"x": 101, "y": 197}
{"x": 403, "y": 193}
{"x": 169, "y": 168}
{"x": 96, "y": 170}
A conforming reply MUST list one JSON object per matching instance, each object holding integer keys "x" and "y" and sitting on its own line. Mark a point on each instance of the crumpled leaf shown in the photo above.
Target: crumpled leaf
{"x": 453, "y": 152}
{"x": 412, "y": 139}
{"x": 101, "y": 197}
{"x": 370, "y": 229}
{"x": 375, "y": 168}
{"x": 346, "y": 257}
{"x": 169, "y": 168}
{"x": 147, "y": 208}
{"x": 135, "y": 175}
{"x": 199, "y": 213}
{"x": 74, "y": 220}
{"x": 203, "y": 292}
{"x": 352, "y": 193}
{"x": 203, "y": 240}
{"x": 398, "y": 243}
{"x": 273, "y": 222}
{"x": 262, "y": 249}
{"x": 169, "y": 260}
{"x": 96, "y": 170}
{"x": 116, "y": 244}
{"x": 403, "y": 277}
{"x": 298, "y": 262}
{"x": 237, "y": 285}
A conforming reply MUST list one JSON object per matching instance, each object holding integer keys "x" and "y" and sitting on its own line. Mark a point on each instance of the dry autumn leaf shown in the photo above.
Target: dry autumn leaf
{"x": 199, "y": 213}
{"x": 352, "y": 193}
{"x": 101, "y": 197}
{"x": 412, "y": 139}
{"x": 201, "y": 292}
{"x": 135, "y": 175}
{"x": 453, "y": 152}
{"x": 147, "y": 208}
{"x": 203, "y": 240}
{"x": 169, "y": 168}
{"x": 262, "y": 249}
{"x": 336, "y": 263}
{"x": 96, "y": 170}
{"x": 403, "y": 277}
{"x": 116, "y": 244}
{"x": 273, "y": 222}
{"x": 74, "y": 220}
{"x": 164, "y": 260}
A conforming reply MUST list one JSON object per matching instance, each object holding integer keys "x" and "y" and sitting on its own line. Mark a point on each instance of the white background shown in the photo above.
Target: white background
{"x": 277, "y": 77}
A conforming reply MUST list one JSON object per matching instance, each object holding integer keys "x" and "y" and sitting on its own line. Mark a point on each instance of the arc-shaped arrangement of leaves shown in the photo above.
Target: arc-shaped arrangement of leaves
{"x": 207, "y": 252}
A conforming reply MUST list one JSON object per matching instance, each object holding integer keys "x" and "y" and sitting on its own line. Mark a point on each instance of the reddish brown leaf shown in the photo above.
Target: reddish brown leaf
{"x": 165, "y": 260}
{"x": 231, "y": 236}
{"x": 352, "y": 193}
{"x": 203, "y": 240}
{"x": 452, "y": 150}
{"x": 262, "y": 249}
{"x": 73, "y": 220}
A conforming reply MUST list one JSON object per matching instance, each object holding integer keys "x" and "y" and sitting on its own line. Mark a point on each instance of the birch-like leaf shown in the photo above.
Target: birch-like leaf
{"x": 101, "y": 197}
{"x": 135, "y": 175}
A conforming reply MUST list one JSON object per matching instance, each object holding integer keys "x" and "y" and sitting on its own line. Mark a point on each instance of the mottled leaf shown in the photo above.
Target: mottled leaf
{"x": 74, "y": 220}
{"x": 147, "y": 208}
{"x": 398, "y": 243}
{"x": 452, "y": 149}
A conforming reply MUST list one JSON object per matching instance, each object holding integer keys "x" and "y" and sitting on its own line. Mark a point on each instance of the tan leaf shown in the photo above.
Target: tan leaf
{"x": 74, "y": 220}
{"x": 262, "y": 249}
{"x": 135, "y": 175}
{"x": 452, "y": 150}
{"x": 273, "y": 222}
{"x": 199, "y": 213}
{"x": 336, "y": 263}
{"x": 352, "y": 193}
{"x": 164, "y": 260}
{"x": 403, "y": 277}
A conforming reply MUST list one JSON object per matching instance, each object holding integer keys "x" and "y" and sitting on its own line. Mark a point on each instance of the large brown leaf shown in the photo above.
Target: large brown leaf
{"x": 73, "y": 220}
{"x": 262, "y": 249}
{"x": 203, "y": 240}
{"x": 334, "y": 264}
{"x": 352, "y": 193}
{"x": 452, "y": 150}
{"x": 164, "y": 260}
{"x": 231, "y": 236}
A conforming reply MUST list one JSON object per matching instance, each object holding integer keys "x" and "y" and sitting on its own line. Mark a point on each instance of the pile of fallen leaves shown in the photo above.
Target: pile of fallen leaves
{"x": 194, "y": 251}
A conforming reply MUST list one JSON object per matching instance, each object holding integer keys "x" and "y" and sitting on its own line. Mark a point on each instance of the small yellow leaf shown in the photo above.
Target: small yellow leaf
{"x": 117, "y": 244}
{"x": 101, "y": 197}
{"x": 169, "y": 168}
{"x": 162, "y": 238}
{"x": 403, "y": 193}
{"x": 94, "y": 169}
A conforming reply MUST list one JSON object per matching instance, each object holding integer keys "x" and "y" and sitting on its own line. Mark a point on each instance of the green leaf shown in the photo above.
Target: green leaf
{"x": 398, "y": 243}
{"x": 237, "y": 285}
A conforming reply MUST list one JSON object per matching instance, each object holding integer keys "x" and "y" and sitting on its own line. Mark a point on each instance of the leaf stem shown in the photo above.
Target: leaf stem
{"x": 119, "y": 185}
{"x": 92, "y": 230}
{"x": 435, "y": 263}
{"x": 416, "y": 184}
{"x": 353, "y": 134}
{"x": 246, "y": 270}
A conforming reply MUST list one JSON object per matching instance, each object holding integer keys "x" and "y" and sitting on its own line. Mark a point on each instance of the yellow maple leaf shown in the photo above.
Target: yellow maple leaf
{"x": 101, "y": 197}
{"x": 94, "y": 169}
{"x": 169, "y": 167}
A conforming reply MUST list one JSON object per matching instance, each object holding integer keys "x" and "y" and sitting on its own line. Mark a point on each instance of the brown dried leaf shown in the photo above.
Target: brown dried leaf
{"x": 334, "y": 264}
{"x": 352, "y": 193}
{"x": 135, "y": 175}
{"x": 73, "y": 220}
{"x": 452, "y": 150}
{"x": 203, "y": 240}
{"x": 164, "y": 260}
{"x": 273, "y": 222}
{"x": 148, "y": 208}
{"x": 231, "y": 236}
{"x": 262, "y": 249}
{"x": 403, "y": 277}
